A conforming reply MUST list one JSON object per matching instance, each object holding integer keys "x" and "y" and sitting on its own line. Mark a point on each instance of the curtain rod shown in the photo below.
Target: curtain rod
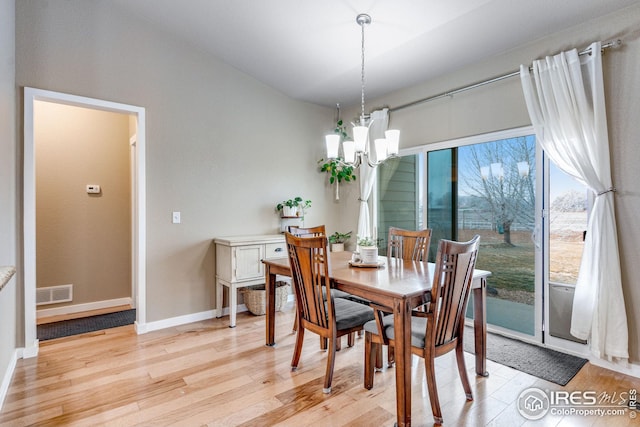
{"x": 607, "y": 45}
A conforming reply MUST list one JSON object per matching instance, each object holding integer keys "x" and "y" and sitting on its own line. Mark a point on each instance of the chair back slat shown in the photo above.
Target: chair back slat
{"x": 308, "y": 231}
{"x": 310, "y": 276}
{"x": 408, "y": 245}
{"x": 451, "y": 288}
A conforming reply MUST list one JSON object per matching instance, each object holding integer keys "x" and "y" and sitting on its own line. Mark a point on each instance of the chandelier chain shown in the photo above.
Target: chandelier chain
{"x": 362, "y": 76}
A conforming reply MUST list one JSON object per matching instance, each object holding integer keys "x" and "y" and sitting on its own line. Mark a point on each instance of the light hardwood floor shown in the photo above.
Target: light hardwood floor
{"x": 208, "y": 374}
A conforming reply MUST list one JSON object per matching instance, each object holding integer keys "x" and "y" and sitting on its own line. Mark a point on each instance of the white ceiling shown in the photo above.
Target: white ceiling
{"x": 310, "y": 49}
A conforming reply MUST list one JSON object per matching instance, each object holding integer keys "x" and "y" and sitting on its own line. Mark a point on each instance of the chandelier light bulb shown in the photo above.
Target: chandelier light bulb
{"x": 360, "y": 134}
{"x": 348, "y": 148}
{"x": 333, "y": 144}
{"x": 381, "y": 149}
{"x": 393, "y": 141}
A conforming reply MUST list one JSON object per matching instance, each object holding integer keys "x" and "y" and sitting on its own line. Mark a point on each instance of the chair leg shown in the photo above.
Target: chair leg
{"x": 370, "y": 359}
{"x": 351, "y": 338}
{"x": 297, "y": 350}
{"x": 391, "y": 356}
{"x": 295, "y": 324}
{"x": 331, "y": 360}
{"x": 378, "y": 351}
{"x": 462, "y": 370}
{"x": 430, "y": 372}
{"x": 323, "y": 343}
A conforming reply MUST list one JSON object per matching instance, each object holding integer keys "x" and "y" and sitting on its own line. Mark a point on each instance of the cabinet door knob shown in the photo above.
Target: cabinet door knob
{"x": 278, "y": 250}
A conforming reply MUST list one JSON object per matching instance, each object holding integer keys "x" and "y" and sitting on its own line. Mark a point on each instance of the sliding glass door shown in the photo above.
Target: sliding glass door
{"x": 488, "y": 188}
{"x": 530, "y": 216}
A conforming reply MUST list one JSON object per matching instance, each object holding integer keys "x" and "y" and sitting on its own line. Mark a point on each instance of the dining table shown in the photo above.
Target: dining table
{"x": 401, "y": 285}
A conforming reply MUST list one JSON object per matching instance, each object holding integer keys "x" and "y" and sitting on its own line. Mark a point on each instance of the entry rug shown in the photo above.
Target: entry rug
{"x": 66, "y": 328}
{"x": 538, "y": 361}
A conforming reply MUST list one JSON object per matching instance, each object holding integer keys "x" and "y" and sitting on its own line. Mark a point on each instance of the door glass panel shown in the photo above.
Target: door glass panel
{"x": 493, "y": 195}
{"x": 441, "y": 196}
{"x": 567, "y": 225}
{"x": 568, "y": 216}
{"x": 399, "y": 196}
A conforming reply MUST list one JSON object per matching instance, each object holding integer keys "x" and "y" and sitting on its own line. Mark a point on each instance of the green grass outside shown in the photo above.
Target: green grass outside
{"x": 511, "y": 266}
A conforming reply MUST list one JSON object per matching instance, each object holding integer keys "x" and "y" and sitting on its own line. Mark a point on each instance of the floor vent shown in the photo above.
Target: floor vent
{"x": 54, "y": 294}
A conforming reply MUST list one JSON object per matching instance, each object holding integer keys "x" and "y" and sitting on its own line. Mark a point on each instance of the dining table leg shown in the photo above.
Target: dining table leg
{"x": 270, "y": 291}
{"x": 402, "y": 331}
{"x": 480, "y": 327}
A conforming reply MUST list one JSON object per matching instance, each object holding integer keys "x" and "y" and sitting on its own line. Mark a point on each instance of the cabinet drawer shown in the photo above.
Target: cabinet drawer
{"x": 275, "y": 250}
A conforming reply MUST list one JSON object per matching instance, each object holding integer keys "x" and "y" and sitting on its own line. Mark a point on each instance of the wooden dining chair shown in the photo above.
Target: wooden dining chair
{"x": 440, "y": 328}
{"x": 330, "y": 318}
{"x": 318, "y": 230}
{"x": 408, "y": 244}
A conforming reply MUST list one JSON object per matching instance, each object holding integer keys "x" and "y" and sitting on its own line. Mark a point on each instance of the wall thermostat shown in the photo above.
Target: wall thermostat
{"x": 93, "y": 189}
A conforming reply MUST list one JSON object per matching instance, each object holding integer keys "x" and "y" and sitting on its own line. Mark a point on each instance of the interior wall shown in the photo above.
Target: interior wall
{"x": 9, "y": 295}
{"x": 222, "y": 148}
{"x": 501, "y": 106}
{"x": 82, "y": 239}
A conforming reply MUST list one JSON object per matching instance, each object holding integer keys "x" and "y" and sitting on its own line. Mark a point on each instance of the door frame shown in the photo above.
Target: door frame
{"x": 138, "y": 189}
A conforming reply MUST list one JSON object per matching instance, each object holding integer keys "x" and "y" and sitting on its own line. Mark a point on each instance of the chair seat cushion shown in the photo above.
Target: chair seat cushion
{"x": 418, "y": 329}
{"x": 357, "y": 299}
{"x": 337, "y": 293}
{"x": 350, "y": 314}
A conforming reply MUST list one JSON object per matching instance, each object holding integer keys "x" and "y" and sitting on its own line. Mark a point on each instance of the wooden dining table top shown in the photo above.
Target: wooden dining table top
{"x": 394, "y": 277}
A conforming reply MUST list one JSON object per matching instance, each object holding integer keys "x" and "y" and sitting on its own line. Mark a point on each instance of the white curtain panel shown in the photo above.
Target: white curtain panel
{"x": 379, "y": 124}
{"x": 565, "y": 99}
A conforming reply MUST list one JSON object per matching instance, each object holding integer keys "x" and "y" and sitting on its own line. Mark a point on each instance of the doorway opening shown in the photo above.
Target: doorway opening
{"x": 33, "y": 98}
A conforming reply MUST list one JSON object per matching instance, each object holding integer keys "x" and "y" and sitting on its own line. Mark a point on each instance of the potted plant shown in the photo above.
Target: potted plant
{"x": 293, "y": 207}
{"x": 368, "y": 250}
{"x": 337, "y": 241}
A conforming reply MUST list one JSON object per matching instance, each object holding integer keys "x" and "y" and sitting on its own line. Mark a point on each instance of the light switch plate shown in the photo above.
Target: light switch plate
{"x": 175, "y": 217}
{"x": 93, "y": 189}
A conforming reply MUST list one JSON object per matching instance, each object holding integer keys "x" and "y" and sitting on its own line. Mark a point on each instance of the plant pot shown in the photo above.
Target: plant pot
{"x": 289, "y": 211}
{"x": 369, "y": 254}
{"x": 337, "y": 247}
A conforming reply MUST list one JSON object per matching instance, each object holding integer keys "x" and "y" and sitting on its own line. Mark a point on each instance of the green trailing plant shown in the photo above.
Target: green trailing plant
{"x": 341, "y": 129}
{"x": 337, "y": 172}
{"x": 338, "y": 237}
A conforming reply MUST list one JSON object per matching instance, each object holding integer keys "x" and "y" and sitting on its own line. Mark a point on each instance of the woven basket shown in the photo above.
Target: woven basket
{"x": 255, "y": 297}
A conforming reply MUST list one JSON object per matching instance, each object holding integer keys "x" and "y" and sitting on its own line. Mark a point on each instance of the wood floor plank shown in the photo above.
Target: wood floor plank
{"x": 208, "y": 374}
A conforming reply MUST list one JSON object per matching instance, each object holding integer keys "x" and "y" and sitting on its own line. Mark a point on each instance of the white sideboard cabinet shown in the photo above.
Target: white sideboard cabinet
{"x": 239, "y": 264}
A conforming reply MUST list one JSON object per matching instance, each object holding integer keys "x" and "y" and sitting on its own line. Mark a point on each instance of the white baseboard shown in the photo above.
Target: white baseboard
{"x": 183, "y": 320}
{"x": 627, "y": 368}
{"x": 77, "y": 308}
{"x": 7, "y": 377}
{"x": 188, "y": 318}
{"x": 29, "y": 351}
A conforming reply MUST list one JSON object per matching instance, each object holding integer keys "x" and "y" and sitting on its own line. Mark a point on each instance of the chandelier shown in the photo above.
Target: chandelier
{"x": 358, "y": 151}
